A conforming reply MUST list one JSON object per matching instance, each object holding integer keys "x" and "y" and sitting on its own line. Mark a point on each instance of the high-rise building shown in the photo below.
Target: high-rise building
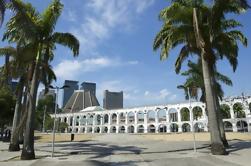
{"x": 113, "y": 100}
{"x": 14, "y": 86}
{"x": 89, "y": 86}
{"x": 50, "y": 92}
{"x": 73, "y": 85}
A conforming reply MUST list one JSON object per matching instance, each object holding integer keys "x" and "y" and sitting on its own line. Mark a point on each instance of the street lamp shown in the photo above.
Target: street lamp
{"x": 189, "y": 97}
{"x": 55, "y": 113}
{"x": 194, "y": 141}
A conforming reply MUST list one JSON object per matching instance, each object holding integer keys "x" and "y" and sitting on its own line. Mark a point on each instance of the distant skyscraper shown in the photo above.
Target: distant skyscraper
{"x": 14, "y": 86}
{"x": 73, "y": 85}
{"x": 113, "y": 100}
{"x": 88, "y": 86}
{"x": 50, "y": 92}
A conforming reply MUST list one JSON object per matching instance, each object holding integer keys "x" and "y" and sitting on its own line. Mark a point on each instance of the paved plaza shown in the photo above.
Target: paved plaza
{"x": 132, "y": 150}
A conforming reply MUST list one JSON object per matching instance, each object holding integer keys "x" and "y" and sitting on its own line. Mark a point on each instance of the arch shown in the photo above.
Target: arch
{"x": 89, "y": 129}
{"x": 98, "y": 119}
{"x": 90, "y": 120}
{"x": 174, "y": 127}
{"x": 199, "y": 127}
{"x": 83, "y": 130}
{"x": 242, "y": 126}
{"x": 161, "y": 115}
{"x": 65, "y": 120}
{"x": 71, "y": 120}
{"x": 239, "y": 110}
{"x": 83, "y": 120}
{"x": 249, "y": 106}
{"x": 185, "y": 114}
{"x": 162, "y": 128}
{"x": 97, "y": 130}
{"x": 113, "y": 129}
{"x": 173, "y": 115}
{"x": 122, "y": 129}
{"x": 131, "y": 117}
{"x": 77, "y": 121}
{"x": 228, "y": 127}
{"x": 76, "y": 130}
{"x": 114, "y": 118}
{"x": 105, "y": 130}
{"x": 197, "y": 112}
{"x": 141, "y": 129}
{"x": 225, "y": 111}
{"x": 106, "y": 119}
{"x": 151, "y": 128}
{"x": 151, "y": 116}
{"x": 122, "y": 118}
{"x": 186, "y": 127}
{"x": 140, "y": 116}
{"x": 131, "y": 129}
{"x": 69, "y": 130}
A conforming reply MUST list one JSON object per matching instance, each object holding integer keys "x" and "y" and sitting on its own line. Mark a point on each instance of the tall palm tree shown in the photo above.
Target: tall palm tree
{"x": 38, "y": 31}
{"x": 195, "y": 83}
{"x": 202, "y": 30}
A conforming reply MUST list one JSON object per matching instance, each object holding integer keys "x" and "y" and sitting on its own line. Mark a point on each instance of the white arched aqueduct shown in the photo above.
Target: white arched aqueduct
{"x": 169, "y": 118}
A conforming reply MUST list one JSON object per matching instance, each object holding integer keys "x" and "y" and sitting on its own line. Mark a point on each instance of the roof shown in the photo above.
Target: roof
{"x": 93, "y": 108}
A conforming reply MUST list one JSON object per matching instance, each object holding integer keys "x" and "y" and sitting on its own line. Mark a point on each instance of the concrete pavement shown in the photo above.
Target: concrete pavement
{"x": 124, "y": 149}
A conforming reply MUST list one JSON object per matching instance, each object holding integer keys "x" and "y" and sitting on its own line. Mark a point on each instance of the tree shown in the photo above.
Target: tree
{"x": 225, "y": 111}
{"x": 238, "y": 110}
{"x": 195, "y": 83}
{"x": 37, "y": 30}
{"x": 45, "y": 106}
{"x": 7, "y": 104}
{"x": 203, "y": 30}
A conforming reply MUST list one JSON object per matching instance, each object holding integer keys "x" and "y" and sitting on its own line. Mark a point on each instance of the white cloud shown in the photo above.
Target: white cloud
{"x": 146, "y": 93}
{"x": 70, "y": 15}
{"x": 133, "y": 62}
{"x": 103, "y": 18}
{"x": 141, "y": 5}
{"x": 164, "y": 93}
{"x": 71, "y": 69}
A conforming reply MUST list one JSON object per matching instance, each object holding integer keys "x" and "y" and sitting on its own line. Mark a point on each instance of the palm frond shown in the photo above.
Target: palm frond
{"x": 50, "y": 16}
{"x": 68, "y": 40}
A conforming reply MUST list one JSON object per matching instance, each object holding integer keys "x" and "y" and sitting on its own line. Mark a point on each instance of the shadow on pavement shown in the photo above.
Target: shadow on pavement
{"x": 96, "y": 149}
{"x": 240, "y": 145}
{"x": 89, "y": 163}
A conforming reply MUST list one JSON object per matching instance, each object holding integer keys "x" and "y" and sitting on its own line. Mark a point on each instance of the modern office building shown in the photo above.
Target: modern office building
{"x": 14, "y": 86}
{"x": 89, "y": 86}
{"x": 113, "y": 100}
{"x": 73, "y": 85}
{"x": 42, "y": 94}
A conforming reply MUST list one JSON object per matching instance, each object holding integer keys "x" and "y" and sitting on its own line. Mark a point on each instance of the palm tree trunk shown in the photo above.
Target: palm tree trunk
{"x": 8, "y": 79}
{"x": 217, "y": 147}
{"x": 28, "y": 152}
{"x": 14, "y": 142}
{"x": 23, "y": 116}
{"x": 221, "y": 126}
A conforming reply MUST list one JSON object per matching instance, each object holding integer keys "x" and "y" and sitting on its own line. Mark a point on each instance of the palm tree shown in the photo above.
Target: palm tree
{"x": 37, "y": 30}
{"x": 2, "y": 10}
{"x": 204, "y": 31}
{"x": 195, "y": 83}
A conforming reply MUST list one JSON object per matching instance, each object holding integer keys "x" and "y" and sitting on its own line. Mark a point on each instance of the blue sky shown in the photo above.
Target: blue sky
{"x": 116, "y": 39}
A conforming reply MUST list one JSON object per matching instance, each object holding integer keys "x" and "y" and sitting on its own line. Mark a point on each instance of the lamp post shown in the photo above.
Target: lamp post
{"x": 55, "y": 114}
{"x": 194, "y": 141}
